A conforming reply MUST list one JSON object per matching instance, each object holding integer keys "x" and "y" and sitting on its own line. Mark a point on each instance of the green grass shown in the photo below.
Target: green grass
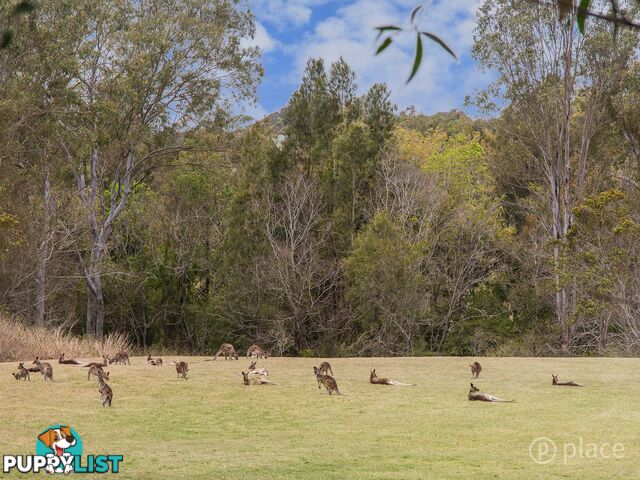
{"x": 213, "y": 427}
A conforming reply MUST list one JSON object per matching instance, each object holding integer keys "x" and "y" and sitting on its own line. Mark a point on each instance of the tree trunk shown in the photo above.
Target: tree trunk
{"x": 43, "y": 255}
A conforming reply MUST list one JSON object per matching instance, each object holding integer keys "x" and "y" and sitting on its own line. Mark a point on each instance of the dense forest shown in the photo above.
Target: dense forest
{"x": 134, "y": 200}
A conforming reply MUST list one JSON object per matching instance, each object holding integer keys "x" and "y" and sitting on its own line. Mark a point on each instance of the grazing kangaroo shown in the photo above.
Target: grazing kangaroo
{"x": 69, "y": 361}
{"x": 325, "y": 367}
{"x": 45, "y": 369}
{"x": 253, "y": 370}
{"x": 256, "y": 351}
{"x": 97, "y": 370}
{"x": 327, "y": 380}
{"x": 475, "y": 394}
{"x": 227, "y": 350}
{"x": 555, "y": 381}
{"x": 476, "y": 368}
{"x": 105, "y": 362}
{"x": 156, "y": 362}
{"x": 121, "y": 357}
{"x": 182, "y": 368}
{"x": 22, "y": 373}
{"x": 106, "y": 394}
{"x": 373, "y": 378}
{"x": 250, "y": 379}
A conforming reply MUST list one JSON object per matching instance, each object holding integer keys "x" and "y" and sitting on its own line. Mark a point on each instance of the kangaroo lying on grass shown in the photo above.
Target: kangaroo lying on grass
{"x": 105, "y": 362}
{"x": 106, "y": 394}
{"x": 69, "y": 361}
{"x": 253, "y": 370}
{"x": 120, "y": 357}
{"x": 373, "y": 378}
{"x": 227, "y": 350}
{"x": 555, "y": 381}
{"x": 475, "y": 394}
{"x": 156, "y": 362}
{"x": 250, "y": 379}
{"x": 182, "y": 368}
{"x": 97, "y": 370}
{"x": 45, "y": 369}
{"x": 476, "y": 368}
{"x": 327, "y": 380}
{"x": 256, "y": 351}
{"x": 22, "y": 373}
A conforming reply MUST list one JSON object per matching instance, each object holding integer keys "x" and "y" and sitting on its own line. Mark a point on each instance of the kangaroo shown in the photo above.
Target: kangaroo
{"x": 256, "y": 351}
{"x": 106, "y": 394}
{"x": 475, "y": 394}
{"x": 182, "y": 368}
{"x": 69, "y": 361}
{"x": 227, "y": 350}
{"x": 22, "y": 373}
{"x": 97, "y": 370}
{"x": 555, "y": 381}
{"x": 373, "y": 378}
{"x": 156, "y": 362}
{"x": 105, "y": 362}
{"x": 253, "y": 370}
{"x": 476, "y": 368}
{"x": 121, "y": 357}
{"x": 45, "y": 369}
{"x": 250, "y": 379}
{"x": 327, "y": 380}
{"x": 325, "y": 367}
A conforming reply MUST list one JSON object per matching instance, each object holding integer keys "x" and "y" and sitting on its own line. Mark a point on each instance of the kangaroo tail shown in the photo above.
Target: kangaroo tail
{"x": 398, "y": 384}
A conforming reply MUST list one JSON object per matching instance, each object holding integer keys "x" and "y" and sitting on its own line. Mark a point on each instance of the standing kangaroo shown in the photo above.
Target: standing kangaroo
{"x": 373, "y": 378}
{"x": 227, "y": 350}
{"x": 45, "y": 369}
{"x": 156, "y": 362}
{"x": 120, "y": 357}
{"x": 97, "y": 370}
{"x": 22, "y": 373}
{"x": 476, "y": 368}
{"x": 249, "y": 379}
{"x": 327, "y": 380}
{"x": 106, "y": 394}
{"x": 555, "y": 381}
{"x": 325, "y": 367}
{"x": 475, "y": 394}
{"x": 182, "y": 368}
{"x": 69, "y": 361}
{"x": 253, "y": 370}
{"x": 256, "y": 351}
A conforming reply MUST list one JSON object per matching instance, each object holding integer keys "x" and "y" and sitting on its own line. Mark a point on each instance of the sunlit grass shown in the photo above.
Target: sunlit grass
{"x": 214, "y": 427}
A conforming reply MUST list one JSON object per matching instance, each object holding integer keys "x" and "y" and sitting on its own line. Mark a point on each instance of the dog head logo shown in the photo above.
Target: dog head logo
{"x": 59, "y": 441}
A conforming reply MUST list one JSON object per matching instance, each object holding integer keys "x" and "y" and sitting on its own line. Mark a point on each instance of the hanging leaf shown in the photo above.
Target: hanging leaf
{"x": 440, "y": 42}
{"x": 24, "y": 7}
{"x": 384, "y": 45}
{"x": 582, "y": 9}
{"x": 415, "y": 12}
{"x": 5, "y": 38}
{"x": 381, "y": 30}
{"x": 418, "y": 59}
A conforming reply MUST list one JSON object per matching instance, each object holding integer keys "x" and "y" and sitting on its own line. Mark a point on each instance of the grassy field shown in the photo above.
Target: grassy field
{"x": 212, "y": 426}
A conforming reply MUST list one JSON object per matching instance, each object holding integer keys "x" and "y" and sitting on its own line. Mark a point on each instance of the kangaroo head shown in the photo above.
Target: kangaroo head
{"x": 252, "y": 366}
{"x": 21, "y": 365}
{"x": 554, "y": 378}
{"x": 316, "y": 370}
{"x": 474, "y": 388}
{"x": 245, "y": 378}
{"x": 36, "y": 361}
{"x": 106, "y": 376}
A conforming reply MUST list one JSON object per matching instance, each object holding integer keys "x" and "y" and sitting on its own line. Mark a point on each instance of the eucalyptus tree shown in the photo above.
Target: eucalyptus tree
{"x": 146, "y": 74}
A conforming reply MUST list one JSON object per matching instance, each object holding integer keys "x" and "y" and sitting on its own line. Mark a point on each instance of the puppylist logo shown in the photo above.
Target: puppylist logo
{"x": 59, "y": 450}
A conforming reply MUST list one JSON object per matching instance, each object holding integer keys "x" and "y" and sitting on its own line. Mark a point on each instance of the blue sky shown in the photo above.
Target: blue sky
{"x": 291, "y": 31}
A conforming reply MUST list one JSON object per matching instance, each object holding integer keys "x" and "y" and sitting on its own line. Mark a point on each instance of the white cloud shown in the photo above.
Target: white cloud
{"x": 441, "y": 83}
{"x": 284, "y": 13}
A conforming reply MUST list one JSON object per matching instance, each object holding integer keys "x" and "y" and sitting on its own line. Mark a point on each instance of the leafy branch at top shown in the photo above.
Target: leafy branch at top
{"x": 390, "y": 30}
{"x": 23, "y": 7}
